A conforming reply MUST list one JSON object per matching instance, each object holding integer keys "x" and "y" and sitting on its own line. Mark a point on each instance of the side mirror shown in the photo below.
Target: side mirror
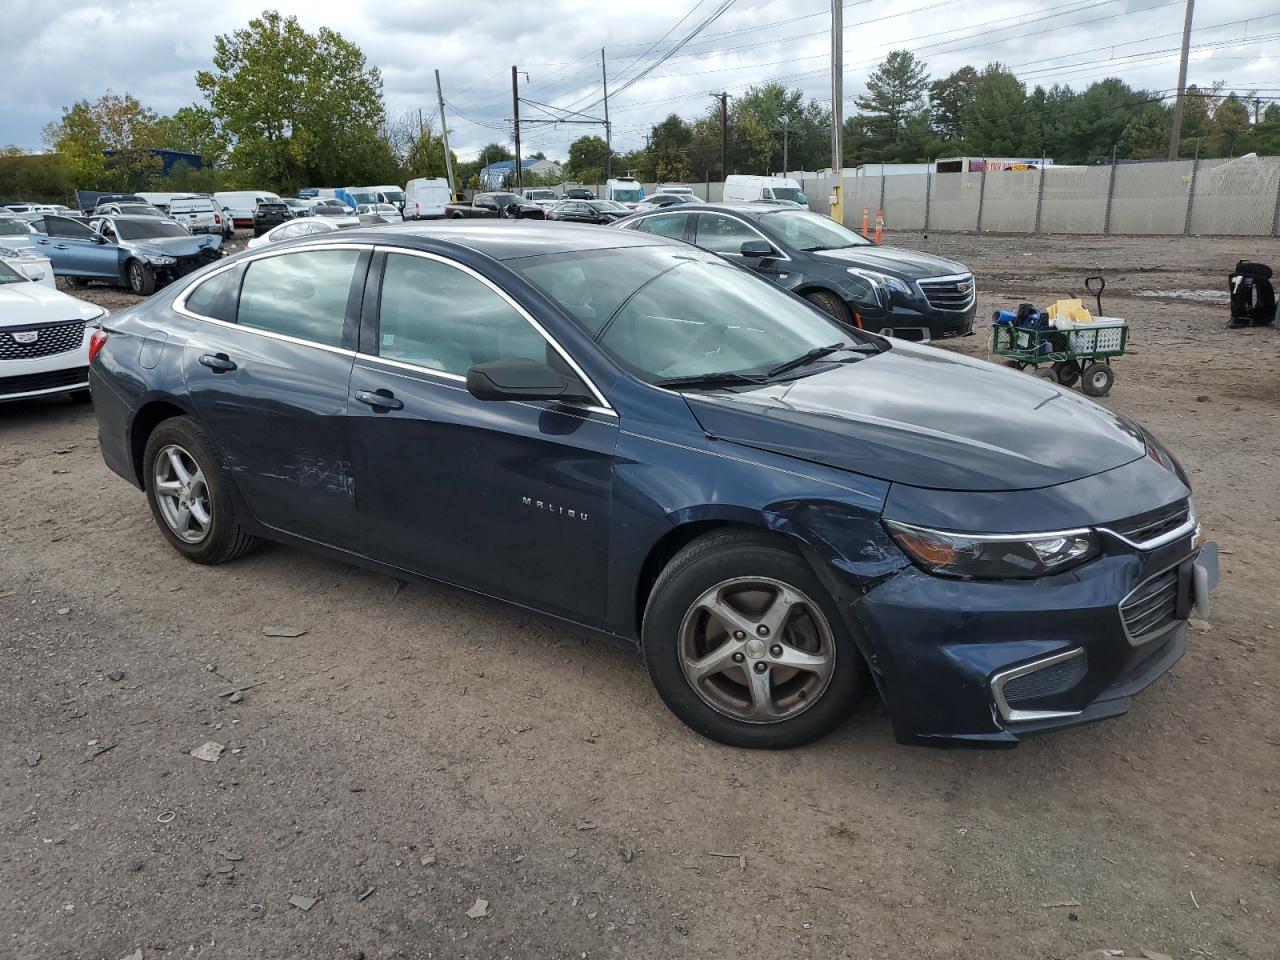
{"x": 756, "y": 249}
{"x": 99, "y": 238}
{"x": 522, "y": 380}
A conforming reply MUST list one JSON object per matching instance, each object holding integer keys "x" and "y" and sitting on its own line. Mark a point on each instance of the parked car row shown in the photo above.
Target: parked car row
{"x": 785, "y": 511}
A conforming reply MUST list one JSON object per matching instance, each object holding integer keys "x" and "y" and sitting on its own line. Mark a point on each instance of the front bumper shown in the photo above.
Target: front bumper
{"x": 50, "y": 375}
{"x": 985, "y": 663}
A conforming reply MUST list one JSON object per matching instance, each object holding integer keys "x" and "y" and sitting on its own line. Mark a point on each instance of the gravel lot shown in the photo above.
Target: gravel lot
{"x": 417, "y": 749}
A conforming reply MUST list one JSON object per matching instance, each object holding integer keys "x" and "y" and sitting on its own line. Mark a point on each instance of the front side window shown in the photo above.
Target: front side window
{"x": 13, "y": 227}
{"x": 721, "y": 234}
{"x": 666, "y": 311}
{"x": 437, "y": 316}
{"x": 664, "y": 225}
{"x": 300, "y": 294}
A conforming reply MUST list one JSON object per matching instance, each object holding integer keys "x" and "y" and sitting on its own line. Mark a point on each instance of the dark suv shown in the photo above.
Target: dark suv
{"x": 902, "y": 293}
{"x": 268, "y": 215}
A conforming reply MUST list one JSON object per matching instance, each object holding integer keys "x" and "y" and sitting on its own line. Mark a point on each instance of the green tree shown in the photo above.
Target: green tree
{"x": 669, "y": 143}
{"x": 194, "y": 129}
{"x": 895, "y": 95}
{"x": 300, "y": 108}
{"x": 1146, "y": 136}
{"x": 995, "y": 118}
{"x": 1229, "y": 128}
{"x": 949, "y": 98}
{"x": 587, "y": 157}
{"x": 105, "y": 142}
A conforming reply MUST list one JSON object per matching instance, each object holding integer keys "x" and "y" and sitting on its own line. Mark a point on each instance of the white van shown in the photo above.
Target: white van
{"x": 240, "y": 204}
{"x": 425, "y": 198}
{"x": 199, "y": 215}
{"x": 540, "y": 196}
{"x": 739, "y": 187}
{"x": 388, "y": 194}
{"x": 676, "y": 190}
{"x": 624, "y": 190}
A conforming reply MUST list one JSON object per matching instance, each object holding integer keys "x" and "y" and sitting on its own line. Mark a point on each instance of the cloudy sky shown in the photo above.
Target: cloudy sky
{"x": 62, "y": 51}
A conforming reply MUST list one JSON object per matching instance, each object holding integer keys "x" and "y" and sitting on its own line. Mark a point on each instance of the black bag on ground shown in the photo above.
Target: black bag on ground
{"x": 1253, "y": 298}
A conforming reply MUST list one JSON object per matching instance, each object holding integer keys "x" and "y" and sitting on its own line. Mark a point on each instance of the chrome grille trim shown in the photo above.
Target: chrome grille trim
{"x": 51, "y": 339}
{"x": 1014, "y": 715}
{"x": 1150, "y": 610}
{"x": 958, "y": 292}
{"x": 1131, "y": 529}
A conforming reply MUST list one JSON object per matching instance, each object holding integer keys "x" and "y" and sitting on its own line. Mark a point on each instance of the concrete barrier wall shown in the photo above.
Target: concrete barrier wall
{"x": 905, "y": 201}
{"x": 1230, "y": 197}
{"x": 1075, "y": 201}
{"x": 954, "y": 202}
{"x": 1151, "y": 197}
{"x": 1239, "y": 197}
{"x": 1009, "y": 201}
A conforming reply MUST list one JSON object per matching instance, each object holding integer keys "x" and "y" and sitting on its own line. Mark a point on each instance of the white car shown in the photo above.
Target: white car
{"x": 18, "y": 249}
{"x": 44, "y": 339}
{"x": 292, "y": 229}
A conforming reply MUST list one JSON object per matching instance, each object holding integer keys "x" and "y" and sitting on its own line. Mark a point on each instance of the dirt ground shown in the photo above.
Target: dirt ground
{"x": 418, "y": 749}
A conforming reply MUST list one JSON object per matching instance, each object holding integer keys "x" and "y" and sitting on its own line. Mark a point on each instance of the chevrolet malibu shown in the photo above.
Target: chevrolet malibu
{"x": 645, "y": 441}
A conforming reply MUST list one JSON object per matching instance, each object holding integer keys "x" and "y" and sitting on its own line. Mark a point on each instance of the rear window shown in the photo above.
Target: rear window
{"x": 217, "y": 296}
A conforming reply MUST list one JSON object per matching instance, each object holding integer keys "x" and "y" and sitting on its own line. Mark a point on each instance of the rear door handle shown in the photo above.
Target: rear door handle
{"x": 380, "y": 398}
{"x": 217, "y": 362}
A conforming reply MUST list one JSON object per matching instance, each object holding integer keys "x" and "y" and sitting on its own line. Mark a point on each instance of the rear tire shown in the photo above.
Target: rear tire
{"x": 179, "y": 448}
{"x": 1067, "y": 372}
{"x": 751, "y": 698}
{"x": 829, "y": 304}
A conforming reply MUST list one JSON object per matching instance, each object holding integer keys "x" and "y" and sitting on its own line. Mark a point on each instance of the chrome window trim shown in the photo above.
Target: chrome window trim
{"x": 1189, "y": 526}
{"x": 1012, "y": 715}
{"x": 603, "y": 404}
{"x": 746, "y": 223}
{"x": 180, "y": 301}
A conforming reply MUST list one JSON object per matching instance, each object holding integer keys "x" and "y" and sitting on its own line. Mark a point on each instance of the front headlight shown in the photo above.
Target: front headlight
{"x": 881, "y": 282}
{"x": 162, "y": 261}
{"x": 994, "y": 557}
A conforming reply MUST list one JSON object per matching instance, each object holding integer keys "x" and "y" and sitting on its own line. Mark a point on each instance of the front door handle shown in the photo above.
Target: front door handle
{"x": 217, "y": 362}
{"x": 380, "y": 398}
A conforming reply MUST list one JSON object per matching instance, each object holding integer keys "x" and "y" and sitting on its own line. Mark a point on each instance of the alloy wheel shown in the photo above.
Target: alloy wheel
{"x": 757, "y": 649}
{"x": 182, "y": 494}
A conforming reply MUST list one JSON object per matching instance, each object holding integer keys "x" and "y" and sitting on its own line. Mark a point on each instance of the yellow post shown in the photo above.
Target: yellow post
{"x": 837, "y": 203}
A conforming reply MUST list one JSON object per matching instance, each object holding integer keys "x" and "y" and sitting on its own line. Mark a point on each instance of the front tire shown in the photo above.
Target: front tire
{"x": 829, "y": 304}
{"x": 746, "y": 647}
{"x": 189, "y": 492}
{"x": 142, "y": 279}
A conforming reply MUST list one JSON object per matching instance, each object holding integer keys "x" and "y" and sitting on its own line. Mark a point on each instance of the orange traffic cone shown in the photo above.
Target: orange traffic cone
{"x": 866, "y": 221}
{"x": 879, "y": 225}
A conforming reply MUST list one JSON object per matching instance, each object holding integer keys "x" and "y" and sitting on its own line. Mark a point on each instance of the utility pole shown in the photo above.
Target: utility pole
{"x": 515, "y": 106}
{"x": 608, "y": 131}
{"x": 786, "y": 129}
{"x": 444, "y": 135}
{"x": 1176, "y": 135}
{"x": 724, "y": 133}
{"x": 837, "y": 109}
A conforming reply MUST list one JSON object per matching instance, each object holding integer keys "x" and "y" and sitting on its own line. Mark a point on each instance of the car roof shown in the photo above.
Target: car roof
{"x": 507, "y": 240}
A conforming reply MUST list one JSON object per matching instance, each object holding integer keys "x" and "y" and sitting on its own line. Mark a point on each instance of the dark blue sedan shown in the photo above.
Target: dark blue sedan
{"x": 632, "y": 435}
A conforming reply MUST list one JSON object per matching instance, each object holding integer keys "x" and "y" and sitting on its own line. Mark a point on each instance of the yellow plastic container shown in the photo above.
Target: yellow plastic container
{"x": 1070, "y": 309}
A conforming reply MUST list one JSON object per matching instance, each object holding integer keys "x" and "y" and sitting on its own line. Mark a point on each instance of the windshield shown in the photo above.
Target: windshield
{"x": 362, "y": 197}
{"x": 503, "y": 199}
{"x": 811, "y": 231}
{"x": 140, "y": 210}
{"x": 607, "y": 206}
{"x": 394, "y": 196}
{"x": 627, "y": 196}
{"x": 668, "y": 311}
{"x": 542, "y": 195}
{"x": 13, "y": 227}
{"x": 794, "y": 194}
{"x": 134, "y": 230}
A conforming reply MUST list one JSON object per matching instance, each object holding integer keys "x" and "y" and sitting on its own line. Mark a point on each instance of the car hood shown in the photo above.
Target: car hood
{"x": 906, "y": 264}
{"x": 928, "y": 418}
{"x": 23, "y": 304}
{"x": 171, "y": 246}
